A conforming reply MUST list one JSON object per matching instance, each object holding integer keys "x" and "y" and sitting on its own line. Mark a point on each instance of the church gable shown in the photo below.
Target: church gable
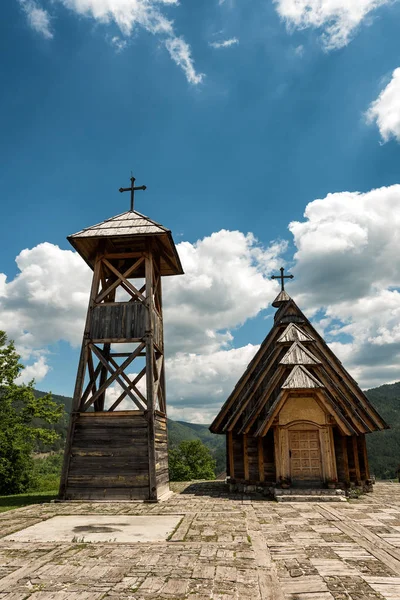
{"x": 294, "y": 356}
{"x": 293, "y": 333}
{"x": 299, "y": 355}
{"x": 301, "y": 379}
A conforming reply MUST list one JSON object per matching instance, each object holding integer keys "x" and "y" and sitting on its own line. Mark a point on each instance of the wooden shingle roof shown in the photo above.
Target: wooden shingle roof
{"x": 294, "y": 357}
{"x": 127, "y": 232}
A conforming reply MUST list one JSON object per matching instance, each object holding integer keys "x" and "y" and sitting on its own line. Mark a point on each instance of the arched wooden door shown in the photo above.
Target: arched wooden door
{"x": 305, "y": 456}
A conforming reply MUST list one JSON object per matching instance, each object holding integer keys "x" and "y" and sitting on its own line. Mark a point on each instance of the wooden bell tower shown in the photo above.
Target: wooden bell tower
{"x": 117, "y": 440}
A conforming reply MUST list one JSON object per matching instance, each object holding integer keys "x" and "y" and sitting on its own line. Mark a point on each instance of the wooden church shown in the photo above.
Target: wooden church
{"x": 117, "y": 440}
{"x": 296, "y": 417}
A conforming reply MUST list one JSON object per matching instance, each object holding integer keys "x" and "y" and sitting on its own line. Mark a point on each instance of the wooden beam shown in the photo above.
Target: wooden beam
{"x": 245, "y": 458}
{"x": 260, "y": 443}
{"x": 90, "y": 385}
{"x": 231, "y": 461}
{"x": 150, "y": 375}
{"x": 356, "y": 460}
{"x": 277, "y": 454}
{"x": 343, "y": 441}
{"x": 363, "y": 443}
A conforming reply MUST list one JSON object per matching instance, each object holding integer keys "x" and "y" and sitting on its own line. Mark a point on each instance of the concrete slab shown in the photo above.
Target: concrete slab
{"x": 99, "y": 528}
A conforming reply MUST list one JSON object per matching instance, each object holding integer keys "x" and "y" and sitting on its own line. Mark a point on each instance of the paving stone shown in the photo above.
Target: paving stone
{"x": 225, "y": 547}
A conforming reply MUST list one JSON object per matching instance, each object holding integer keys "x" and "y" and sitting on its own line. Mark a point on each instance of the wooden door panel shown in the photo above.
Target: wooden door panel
{"x": 305, "y": 455}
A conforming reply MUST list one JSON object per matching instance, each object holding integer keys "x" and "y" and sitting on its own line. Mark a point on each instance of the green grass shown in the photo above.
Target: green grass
{"x": 10, "y": 502}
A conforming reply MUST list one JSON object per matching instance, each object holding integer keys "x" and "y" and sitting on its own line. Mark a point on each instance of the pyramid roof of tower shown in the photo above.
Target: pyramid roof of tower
{"x": 283, "y": 365}
{"x": 124, "y": 232}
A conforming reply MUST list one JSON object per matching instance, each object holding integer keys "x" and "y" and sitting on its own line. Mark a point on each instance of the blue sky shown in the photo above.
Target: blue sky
{"x": 237, "y": 118}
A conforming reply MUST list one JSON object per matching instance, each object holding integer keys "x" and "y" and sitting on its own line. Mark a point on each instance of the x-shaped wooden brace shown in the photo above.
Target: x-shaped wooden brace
{"x": 115, "y": 375}
{"x": 132, "y": 384}
{"x": 122, "y": 279}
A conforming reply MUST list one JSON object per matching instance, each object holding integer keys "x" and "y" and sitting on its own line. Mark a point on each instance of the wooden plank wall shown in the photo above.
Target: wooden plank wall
{"x": 109, "y": 457}
{"x": 161, "y": 443}
{"x": 125, "y": 320}
{"x": 252, "y": 456}
{"x": 237, "y": 442}
{"x": 269, "y": 457}
{"x": 340, "y": 450}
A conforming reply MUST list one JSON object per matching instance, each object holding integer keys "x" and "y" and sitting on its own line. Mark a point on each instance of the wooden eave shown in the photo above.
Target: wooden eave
{"x": 278, "y": 377}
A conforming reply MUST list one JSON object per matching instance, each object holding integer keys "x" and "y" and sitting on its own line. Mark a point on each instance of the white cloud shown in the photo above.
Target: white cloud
{"x": 337, "y": 19}
{"x": 225, "y": 283}
{"x": 347, "y": 264}
{"x": 46, "y": 301}
{"x": 225, "y": 43}
{"x": 131, "y": 14}
{"x": 37, "y": 371}
{"x": 198, "y": 384}
{"x": 38, "y": 18}
{"x": 118, "y": 44}
{"x": 180, "y": 53}
{"x": 385, "y": 110}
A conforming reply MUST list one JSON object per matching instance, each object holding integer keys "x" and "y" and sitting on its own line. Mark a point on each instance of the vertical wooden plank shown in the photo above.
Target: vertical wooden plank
{"x": 277, "y": 454}
{"x": 356, "y": 461}
{"x": 231, "y": 462}
{"x": 245, "y": 458}
{"x": 333, "y": 453}
{"x": 260, "y": 458}
{"x": 363, "y": 443}
{"x": 343, "y": 441}
{"x": 284, "y": 455}
{"x": 150, "y": 376}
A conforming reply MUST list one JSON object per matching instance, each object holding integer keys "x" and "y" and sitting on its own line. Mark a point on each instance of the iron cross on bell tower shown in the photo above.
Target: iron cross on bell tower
{"x": 132, "y": 190}
{"x": 282, "y": 277}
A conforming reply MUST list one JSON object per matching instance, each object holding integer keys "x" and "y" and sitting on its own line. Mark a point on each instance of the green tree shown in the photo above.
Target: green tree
{"x": 21, "y": 417}
{"x": 191, "y": 460}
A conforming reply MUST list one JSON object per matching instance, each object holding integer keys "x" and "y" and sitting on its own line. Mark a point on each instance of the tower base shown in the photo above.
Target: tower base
{"x": 116, "y": 456}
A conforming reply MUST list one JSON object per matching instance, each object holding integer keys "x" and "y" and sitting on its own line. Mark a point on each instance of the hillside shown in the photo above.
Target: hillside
{"x": 383, "y": 447}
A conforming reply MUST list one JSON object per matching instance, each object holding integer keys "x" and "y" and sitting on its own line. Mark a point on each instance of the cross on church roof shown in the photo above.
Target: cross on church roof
{"x": 282, "y": 277}
{"x": 132, "y": 190}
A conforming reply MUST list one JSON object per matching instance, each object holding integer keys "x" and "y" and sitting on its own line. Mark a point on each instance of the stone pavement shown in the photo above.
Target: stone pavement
{"x": 224, "y": 547}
